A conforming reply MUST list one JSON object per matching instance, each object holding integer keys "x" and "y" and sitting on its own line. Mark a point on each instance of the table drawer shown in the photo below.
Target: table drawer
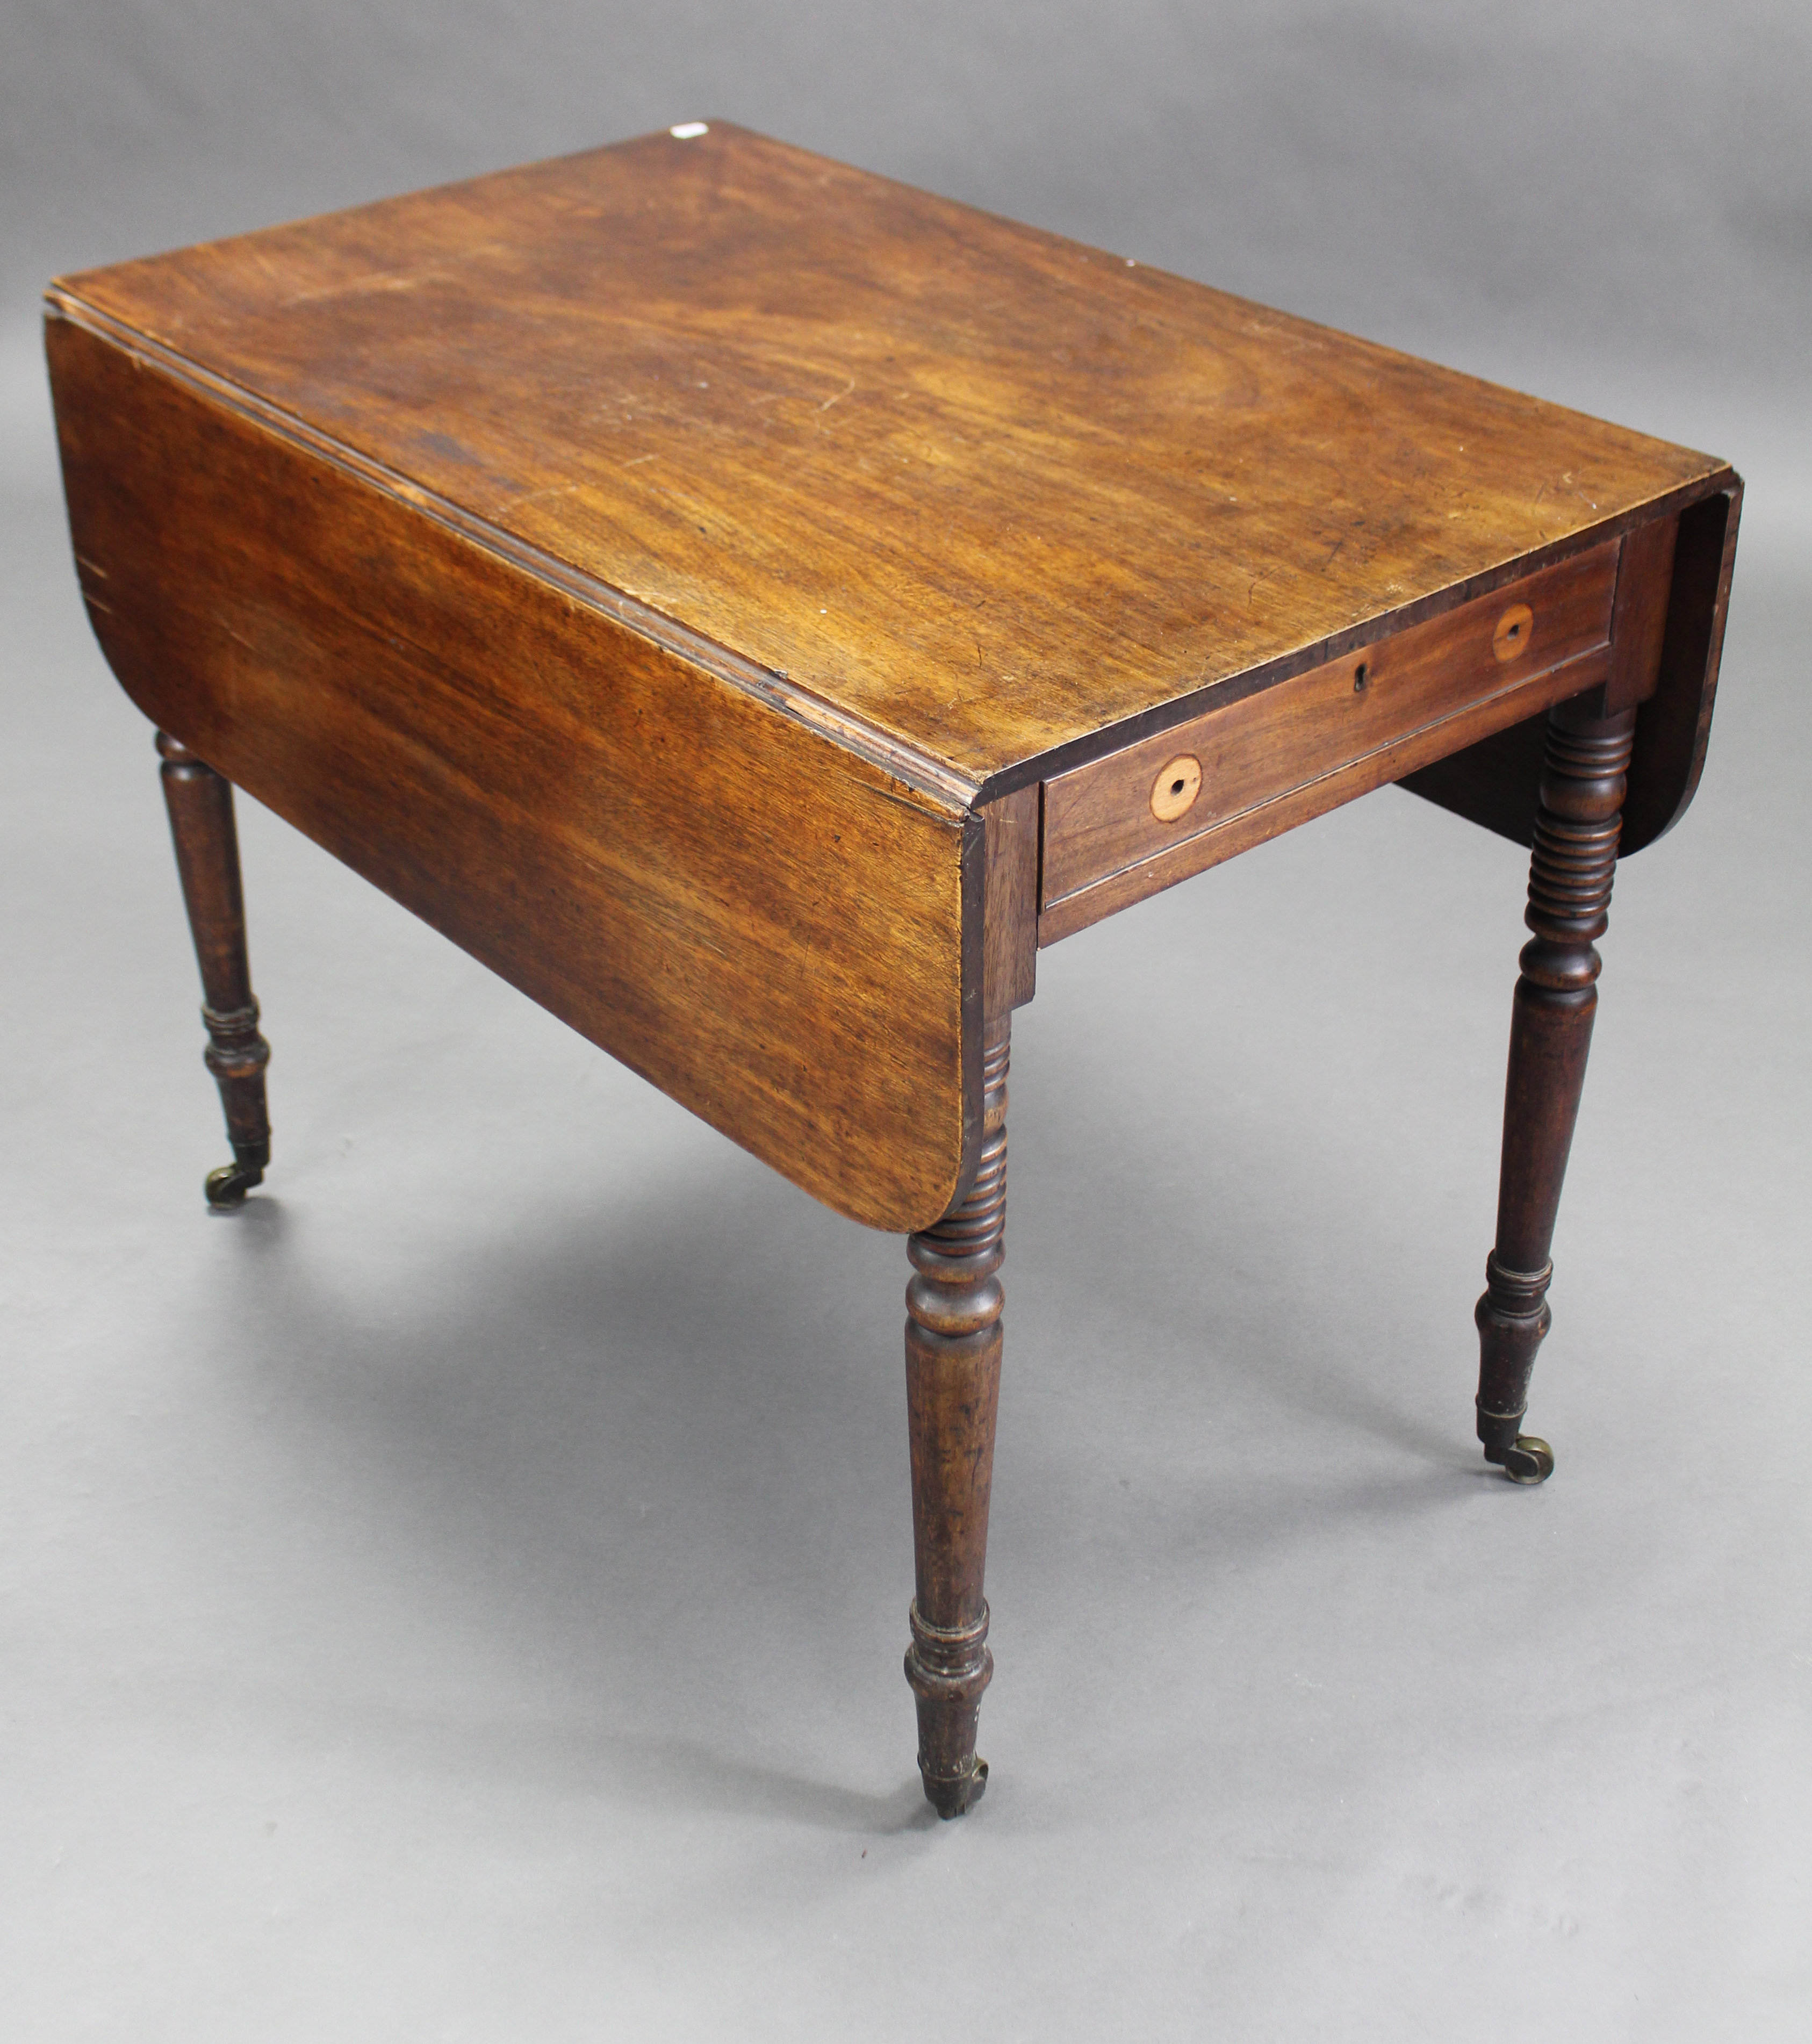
{"x": 1140, "y": 819}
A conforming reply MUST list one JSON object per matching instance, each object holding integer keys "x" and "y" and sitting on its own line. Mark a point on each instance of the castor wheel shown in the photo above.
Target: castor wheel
{"x": 1526, "y": 1460}
{"x": 226, "y": 1188}
{"x": 957, "y": 1798}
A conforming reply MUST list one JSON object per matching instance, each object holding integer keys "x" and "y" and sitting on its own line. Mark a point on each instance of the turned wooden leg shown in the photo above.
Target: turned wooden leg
{"x": 207, "y": 857}
{"x": 1551, "y": 1033}
{"x": 952, "y": 1357}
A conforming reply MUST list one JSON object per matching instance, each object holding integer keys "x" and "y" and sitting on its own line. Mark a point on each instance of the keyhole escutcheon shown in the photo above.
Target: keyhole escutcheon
{"x": 1175, "y": 790}
{"x": 1515, "y": 629}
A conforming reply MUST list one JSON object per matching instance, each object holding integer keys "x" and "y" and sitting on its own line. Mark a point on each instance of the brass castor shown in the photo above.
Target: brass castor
{"x": 956, "y": 1798}
{"x": 948, "y": 1667}
{"x": 1527, "y": 1459}
{"x": 226, "y": 1188}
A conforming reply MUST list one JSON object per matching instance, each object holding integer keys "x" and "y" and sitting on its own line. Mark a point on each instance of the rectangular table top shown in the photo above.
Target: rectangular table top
{"x": 735, "y": 597}
{"x": 963, "y": 494}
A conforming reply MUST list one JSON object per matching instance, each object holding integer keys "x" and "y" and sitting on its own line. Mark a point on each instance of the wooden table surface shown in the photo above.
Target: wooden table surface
{"x": 977, "y": 492}
{"x": 655, "y": 565}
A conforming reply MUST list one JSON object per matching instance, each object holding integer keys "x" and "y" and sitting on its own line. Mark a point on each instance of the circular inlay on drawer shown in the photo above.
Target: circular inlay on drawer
{"x": 1515, "y": 629}
{"x": 1175, "y": 790}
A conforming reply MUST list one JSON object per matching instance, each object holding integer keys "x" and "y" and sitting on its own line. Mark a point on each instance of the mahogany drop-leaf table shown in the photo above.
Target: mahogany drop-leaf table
{"x": 753, "y": 606}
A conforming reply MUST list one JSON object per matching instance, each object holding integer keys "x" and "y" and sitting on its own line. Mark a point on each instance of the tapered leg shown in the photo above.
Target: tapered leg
{"x": 1551, "y": 1033}
{"x": 207, "y": 857}
{"x": 953, "y": 1356}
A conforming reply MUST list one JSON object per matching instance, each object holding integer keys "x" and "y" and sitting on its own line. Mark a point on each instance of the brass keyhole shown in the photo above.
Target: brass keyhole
{"x": 1175, "y": 790}
{"x": 1515, "y": 629}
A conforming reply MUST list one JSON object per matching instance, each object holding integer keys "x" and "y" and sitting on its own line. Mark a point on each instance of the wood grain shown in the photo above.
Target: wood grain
{"x": 656, "y": 565}
{"x": 1010, "y": 906}
{"x": 1644, "y": 579}
{"x": 954, "y": 486}
{"x": 774, "y": 931}
{"x": 1335, "y": 730}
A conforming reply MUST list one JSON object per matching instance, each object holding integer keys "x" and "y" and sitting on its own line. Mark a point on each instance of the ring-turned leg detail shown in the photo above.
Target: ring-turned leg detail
{"x": 1570, "y": 876}
{"x": 953, "y": 1356}
{"x": 200, "y": 802}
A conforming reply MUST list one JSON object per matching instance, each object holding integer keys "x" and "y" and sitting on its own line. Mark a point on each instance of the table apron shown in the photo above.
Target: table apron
{"x": 1141, "y": 818}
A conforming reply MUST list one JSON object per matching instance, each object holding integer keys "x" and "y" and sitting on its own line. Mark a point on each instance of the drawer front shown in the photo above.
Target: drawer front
{"x": 1138, "y": 820}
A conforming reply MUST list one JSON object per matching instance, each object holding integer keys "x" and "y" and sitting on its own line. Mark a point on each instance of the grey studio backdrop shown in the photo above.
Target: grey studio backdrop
{"x": 462, "y": 1596}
